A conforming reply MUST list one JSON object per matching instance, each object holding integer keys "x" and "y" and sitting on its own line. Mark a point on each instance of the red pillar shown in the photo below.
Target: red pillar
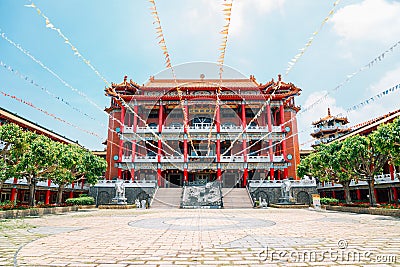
{"x": 218, "y": 145}
{"x": 270, "y": 149}
{"x": 395, "y": 195}
{"x": 121, "y": 142}
{"x": 244, "y": 147}
{"x": 14, "y": 190}
{"x": 159, "y": 177}
{"x": 71, "y": 193}
{"x": 376, "y": 195}
{"x": 160, "y": 117}
{"x": 135, "y": 124}
{"x": 391, "y": 170}
{"x": 358, "y": 191}
{"x": 47, "y": 199}
{"x": 160, "y": 122}
{"x": 333, "y": 194}
{"x": 185, "y": 176}
{"x": 282, "y": 121}
{"x": 185, "y": 158}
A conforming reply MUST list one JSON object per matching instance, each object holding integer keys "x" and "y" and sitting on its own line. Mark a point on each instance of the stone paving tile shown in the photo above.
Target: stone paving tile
{"x": 194, "y": 238}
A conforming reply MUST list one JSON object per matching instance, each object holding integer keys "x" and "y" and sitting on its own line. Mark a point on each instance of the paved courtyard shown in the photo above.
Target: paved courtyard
{"x": 248, "y": 237}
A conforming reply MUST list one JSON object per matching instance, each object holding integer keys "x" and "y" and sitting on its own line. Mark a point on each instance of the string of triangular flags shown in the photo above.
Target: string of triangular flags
{"x": 51, "y": 26}
{"x": 25, "y": 52}
{"x": 350, "y": 76}
{"x": 160, "y": 34}
{"x": 374, "y": 98}
{"x": 168, "y": 65}
{"x": 227, "y": 9}
{"x": 49, "y": 114}
{"x": 31, "y": 81}
{"x": 362, "y": 104}
{"x": 296, "y": 58}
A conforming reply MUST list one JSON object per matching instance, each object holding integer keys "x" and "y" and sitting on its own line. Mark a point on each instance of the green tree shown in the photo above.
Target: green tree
{"x": 362, "y": 155}
{"x": 37, "y": 161}
{"x": 387, "y": 139}
{"x": 325, "y": 164}
{"x": 75, "y": 164}
{"x": 13, "y": 146}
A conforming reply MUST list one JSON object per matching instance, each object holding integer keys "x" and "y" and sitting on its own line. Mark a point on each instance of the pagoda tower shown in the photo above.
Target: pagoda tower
{"x": 329, "y": 128}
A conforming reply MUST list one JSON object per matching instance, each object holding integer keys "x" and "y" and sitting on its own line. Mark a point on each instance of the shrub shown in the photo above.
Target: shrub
{"x": 80, "y": 201}
{"x": 329, "y": 201}
{"x": 11, "y": 205}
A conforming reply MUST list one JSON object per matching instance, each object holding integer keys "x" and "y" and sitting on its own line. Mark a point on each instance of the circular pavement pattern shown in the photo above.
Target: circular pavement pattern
{"x": 201, "y": 223}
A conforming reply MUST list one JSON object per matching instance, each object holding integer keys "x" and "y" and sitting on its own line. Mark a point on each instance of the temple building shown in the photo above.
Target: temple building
{"x": 329, "y": 128}
{"x": 171, "y": 131}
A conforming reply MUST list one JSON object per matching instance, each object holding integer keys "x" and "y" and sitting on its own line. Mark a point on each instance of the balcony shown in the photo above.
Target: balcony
{"x": 257, "y": 129}
{"x": 148, "y": 129}
{"x": 201, "y": 129}
{"x": 379, "y": 179}
{"x": 258, "y": 159}
{"x": 126, "y": 158}
{"x": 329, "y": 128}
{"x": 231, "y": 128}
{"x": 173, "y": 129}
{"x": 146, "y": 159}
{"x": 232, "y": 159}
{"x": 172, "y": 159}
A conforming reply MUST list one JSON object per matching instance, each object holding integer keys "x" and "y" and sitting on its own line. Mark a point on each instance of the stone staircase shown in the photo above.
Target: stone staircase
{"x": 236, "y": 198}
{"x": 167, "y": 198}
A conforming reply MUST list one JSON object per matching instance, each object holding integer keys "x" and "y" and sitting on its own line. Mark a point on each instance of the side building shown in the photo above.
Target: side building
{"x": 172, "y": 132}
{"x": 387, "y": 184}
{"x": 46, "y": 192}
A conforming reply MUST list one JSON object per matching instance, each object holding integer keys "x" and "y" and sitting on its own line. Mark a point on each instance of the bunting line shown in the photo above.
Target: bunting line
{"x": 296, "y": 58}
{"x": 25, "y": 52}
{"x": 51, "y": 26}
{"x": 364, "y": 103}
{"x": 168, "y": 65}
{"x": 227, "y": 9}
{"x": 31, "y": 81}
{"x": 352, "y": 75}
{"x": 49, "y": 114}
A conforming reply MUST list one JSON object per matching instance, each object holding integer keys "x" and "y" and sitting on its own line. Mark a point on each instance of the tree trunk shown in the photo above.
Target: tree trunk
{"x": 60, "y": 193}
{"x": 346, "y": 187}
{"x": 1, "y": 184}
{"x": 371, "y": 184}
{"x": 32, "y": 191}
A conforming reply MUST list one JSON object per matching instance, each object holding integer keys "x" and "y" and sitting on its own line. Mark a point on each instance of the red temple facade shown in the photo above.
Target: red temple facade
{"x": 173, "y": 132}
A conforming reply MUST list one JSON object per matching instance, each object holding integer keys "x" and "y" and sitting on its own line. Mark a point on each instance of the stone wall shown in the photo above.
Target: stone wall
{"x": 373, "y": 211}
{"x": 104, "y": 194}
{"x": 301, "y": 194}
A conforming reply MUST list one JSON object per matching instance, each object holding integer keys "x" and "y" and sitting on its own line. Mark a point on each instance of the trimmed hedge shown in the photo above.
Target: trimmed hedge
{"x": 329, "y": 201}
{"x": 80, "y": 201}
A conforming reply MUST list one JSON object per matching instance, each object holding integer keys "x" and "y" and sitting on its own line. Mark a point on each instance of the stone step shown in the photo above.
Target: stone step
{"x": 236, "y": 198}
{"x": 167, "y": 198}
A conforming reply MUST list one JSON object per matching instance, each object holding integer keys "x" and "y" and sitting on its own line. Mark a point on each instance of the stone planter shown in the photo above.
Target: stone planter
{"x": 13, "y": 214}
{"x": 373, "y": 211}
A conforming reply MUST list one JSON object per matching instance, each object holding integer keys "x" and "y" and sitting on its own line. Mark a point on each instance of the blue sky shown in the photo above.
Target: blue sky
{"x": 119, "y": 39}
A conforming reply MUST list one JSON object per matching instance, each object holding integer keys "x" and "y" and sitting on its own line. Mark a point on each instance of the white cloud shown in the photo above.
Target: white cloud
{"x": 370, "y": 20}
{"x": 209, "y": 12}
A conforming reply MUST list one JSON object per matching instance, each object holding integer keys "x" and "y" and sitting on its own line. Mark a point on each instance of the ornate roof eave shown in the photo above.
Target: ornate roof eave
{"x": 329, "y": 117}
{"x": 123, "y": 87}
